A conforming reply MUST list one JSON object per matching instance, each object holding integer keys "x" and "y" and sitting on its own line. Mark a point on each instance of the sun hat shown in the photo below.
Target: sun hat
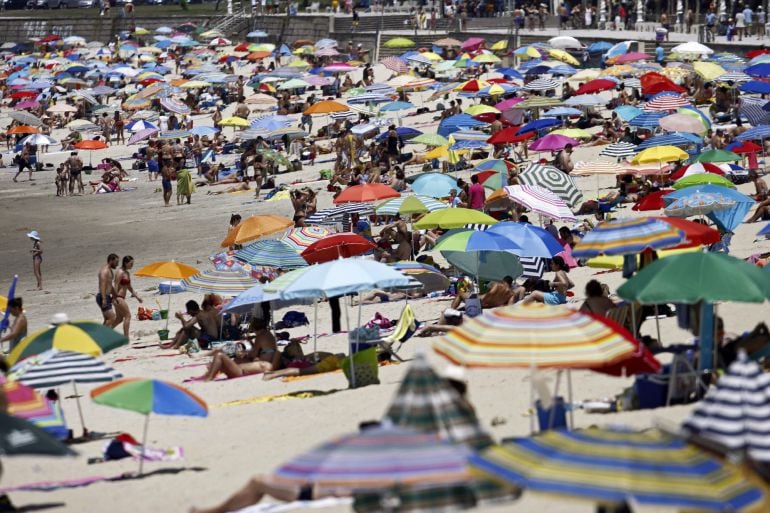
{"x": 34, "y": 235}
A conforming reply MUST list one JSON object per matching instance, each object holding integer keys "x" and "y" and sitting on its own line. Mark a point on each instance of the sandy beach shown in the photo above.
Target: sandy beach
{"x": 245, "y": 435}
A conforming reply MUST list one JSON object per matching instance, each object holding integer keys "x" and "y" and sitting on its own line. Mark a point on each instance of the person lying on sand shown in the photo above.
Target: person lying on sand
{"x": 259, "y": 354}
{"x": 235, "y": 188}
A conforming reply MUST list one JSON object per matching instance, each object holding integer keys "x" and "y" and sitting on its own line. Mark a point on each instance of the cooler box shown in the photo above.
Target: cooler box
{"x": 170, "y": 287}
{"x": 651, "y": 390}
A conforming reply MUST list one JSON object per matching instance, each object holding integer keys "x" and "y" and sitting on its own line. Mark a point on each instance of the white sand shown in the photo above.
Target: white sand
{"x": 236, "y": 442}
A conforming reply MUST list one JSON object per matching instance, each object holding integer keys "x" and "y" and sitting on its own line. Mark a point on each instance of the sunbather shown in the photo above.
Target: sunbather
{"x": 259, "y": 355}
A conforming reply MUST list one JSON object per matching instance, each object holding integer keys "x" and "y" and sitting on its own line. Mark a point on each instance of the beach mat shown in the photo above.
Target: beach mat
{"x": 302, "y": 394}
{"x": 280, "y": 507}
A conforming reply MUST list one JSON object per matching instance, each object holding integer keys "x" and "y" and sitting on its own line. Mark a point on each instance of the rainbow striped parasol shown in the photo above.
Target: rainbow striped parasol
{"x": 541, "y": 335}
{"x": 226, "y": 283}
{"x": 628, "y": 237}
{"x": 301, "y": 238}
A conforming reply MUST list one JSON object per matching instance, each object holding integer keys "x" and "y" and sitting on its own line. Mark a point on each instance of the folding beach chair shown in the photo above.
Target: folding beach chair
{"x": 406, "y": 327}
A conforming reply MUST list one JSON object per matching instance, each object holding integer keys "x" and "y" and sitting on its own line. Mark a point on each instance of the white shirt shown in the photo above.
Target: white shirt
{"x": 739, "y": 20}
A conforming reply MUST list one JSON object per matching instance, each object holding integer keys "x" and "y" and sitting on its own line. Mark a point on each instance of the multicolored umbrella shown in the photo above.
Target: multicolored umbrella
{"x": 453, "y": 218}
{"x": 226, "y": 283}
{"x": 540, "y": 200}
{"x": 377, "y": 459}
{"x": 78, "y": 336}
{"x": 475, "y": 241}
{"x": 408, "y": 205}
{"x": 554, "y": 180}
{"x": 24, "y": 401}
{"x": 272, "y": 253}
{"x": 526, "y": 335}
{"x": 698, "y": 204}
{"x": 149, "y": 396}
{"x": 614, "y": 466}
{"x": 301, "y": 238}
{"x": 628, "y": 237}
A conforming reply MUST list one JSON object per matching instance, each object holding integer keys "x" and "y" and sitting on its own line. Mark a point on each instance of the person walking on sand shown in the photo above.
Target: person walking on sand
{"x": 37, "y": 257}
{"x": 166, "y": 173}
{"x": 122, "y": 287}
{"x": 107, "y": 289}
{"x": 23, "y": 162}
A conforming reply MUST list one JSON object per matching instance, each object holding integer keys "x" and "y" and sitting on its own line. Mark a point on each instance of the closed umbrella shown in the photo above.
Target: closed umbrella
{"x": 614, "y": 466}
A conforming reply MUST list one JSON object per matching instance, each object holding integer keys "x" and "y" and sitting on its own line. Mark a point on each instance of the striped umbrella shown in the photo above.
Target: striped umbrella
{"x": 377, "y": 459}
{"x": 363, "y": 99}
{"x": 540, "y": 200}
{"x": 301, "y": 238}
{"x": 628, "y": 237}
{"x": 533, "y": 267}
{"x": 141, "y": 135}
{"x": 407, "y": 205}
{"x": 614, "y": 466}
{"x": 619, "y": 150}
{"x": 534, "y": 334}
{"x": 554, "y": 180}
{"x": 737, "y": 77}
{"x": 667, "y": 139}
{"x": 753, "y": 109}
{"x": 597, "y": 167}
{"x": 53, "y": 368}
{"x": 736, "y": 413}
{"x": 538, "y": 102}
{"x": 226, "y": 283}
{"x": 665, "y": 103}
{"x": 172, "y": 105}
{"x": 698, "y": 204}
{"x": 347, "y": 114}
{"x": 756, "y": 132}
{"x": 649, "y": 120}
{"x": 542, "y": 84}
{"x": 85, "y": 337}
{"x": 269, "y": 252}
{"x": 174, "y": 134}
{"x": 336, "y": 214}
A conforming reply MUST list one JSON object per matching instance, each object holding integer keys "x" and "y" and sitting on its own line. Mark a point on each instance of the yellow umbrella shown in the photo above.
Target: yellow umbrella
{"x": 234, "y": 121}
{"x": 299, "y": 64}
{"x": 211, "y": 34}
{"x": 575, "y": 133}
{"x": 617, "y": 71}
{"x": 708, "y": 70}
{"x": 584, "y": 75}
{"x": 140, "y": 31}
{"x": 529, "y": 52}
{"x": 3, "y": 303}
{"x": 399, "y": 42}
{"x": 659, "y": 154}
{"x": 432, "y": 56}
{"x": 437, "y": 153}
{"x": 475, "y": 110}
{"x": 563, "y": 56}
{"x": 264, "y": 47}
{"x": 499, "y": 46}
{"x": 616, "y": 262}
{"x": 486, "y": 58}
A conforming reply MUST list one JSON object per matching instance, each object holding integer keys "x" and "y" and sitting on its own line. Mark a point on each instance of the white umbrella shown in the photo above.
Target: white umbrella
{"x": 38, "y": 140}
{"x": 692, "y": 47}
{"x": 540, "y": 200}
{"x": 565, "y": 42}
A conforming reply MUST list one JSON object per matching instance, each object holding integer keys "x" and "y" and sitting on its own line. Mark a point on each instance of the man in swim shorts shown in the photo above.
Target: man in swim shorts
{"x": 106, "y": 289}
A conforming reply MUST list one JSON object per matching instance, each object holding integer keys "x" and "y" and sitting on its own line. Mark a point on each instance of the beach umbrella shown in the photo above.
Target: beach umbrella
{"x": 85, "y": 337}
{"x": 377, "y": 458}
{"x": 148, "y": 396}
{"x": 727, "y": 219}
{"x": 366, "y": 193}
{"x": 272, "y": 253}
{"x": 534, "y": 241}
{"x": 22, "y": 129}
{"x": 553, "y": 142}
{"x": 652, "y": 201}
{"x": 717, "y": 156}
{"x": 255, "y": 227}
{"x": 698, "y": 204}
{"x": 431, "y": 278}
{"x": 527, "y": 335}
{"x": 702, "y": 179}
{"x": 649, "y": 468}
{"x": 598, "y": 167}
{"x": 486, "y": 265}
{"x": 409, "y": 205}
{"x": 336, "y": 246}
{"x": 659, "y": 154}
{"x": 169, "y": 270}
{"x": 18, "y": 437}
{"x": 398, "y": 42}
{"x": 301, "y": 238}
{"x": 39, "y": 140}
{"x": 696, "y": 234}
{"x": 24, "y": 402}
{"x": 25, "y": 118}
{"x": 694, "y": 277}
{"x": 475, "y": 241}
{"x": 692, "y": 47}
{"x": 326, "y": 107}
{"x": 682, "y": 123}
{"x": 429, "y": 139}
{"x": 619, "y": 150}
{"x": 542, "y": 84}
{"x": 339, "y": 213}
{"x": 540, "y": 200}
{"x": 554, "y": 180}
{"x": 596, "y": 86}
{"x": 586, "y": 100}
{"x": 734, "y": 413}
{"x": 453, "y": 218}
{"x": 435, "y": 185}
{"x": 696, "y": 169}
{"x": 225, "y": 283}
{"x": 664, "y": 103}
{"x": 627, "y": 237}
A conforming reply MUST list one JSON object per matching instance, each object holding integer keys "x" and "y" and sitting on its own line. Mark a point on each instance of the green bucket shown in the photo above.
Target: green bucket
{"x": 163, "y": 334}
{"x": 164, "y": 314}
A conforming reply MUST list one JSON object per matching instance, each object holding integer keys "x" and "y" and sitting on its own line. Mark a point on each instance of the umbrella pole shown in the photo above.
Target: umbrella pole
{"x": 347, "y": 301}
{"x": 552, "y": 414}
{"x": 532, "y": 399}
{"x": 144, "y": 443}
{"x": 570, "y": 398}
{"x": 657, "y": 322}
{"x": 352, "y": 353}
{"x": 80, "y": 409}
{"x": 315, "y": 326}
{"x": 168, "y": 307}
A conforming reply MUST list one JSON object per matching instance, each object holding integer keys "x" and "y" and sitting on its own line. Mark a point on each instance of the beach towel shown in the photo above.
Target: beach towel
{"x": 280, "y": 507}
{"x": 302, "y": 394}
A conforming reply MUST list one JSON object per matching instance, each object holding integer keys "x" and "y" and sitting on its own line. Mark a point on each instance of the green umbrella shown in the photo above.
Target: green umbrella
{"x": 273, "y": 155}
{"x": 399, "y": 42}
{"x": 694, "y": 277}
{"x": 717, "y": 156}
{"x": 702, "y": 179}
{"x": 453, "y": 218}
{"x": 19, "y": 437}
{"x": 430, "y": 140}
{"x": 408, "y": 205}
{"x": 486, "y": 265}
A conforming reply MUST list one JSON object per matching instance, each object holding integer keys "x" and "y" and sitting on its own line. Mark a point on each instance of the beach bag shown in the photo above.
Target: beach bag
{"x": 364, "y": 333}
{"x": 473, "y": 306}
{"x": 380, "y": 321}
{"x": 365, "y": 368}
{"x": 293, "y": 318}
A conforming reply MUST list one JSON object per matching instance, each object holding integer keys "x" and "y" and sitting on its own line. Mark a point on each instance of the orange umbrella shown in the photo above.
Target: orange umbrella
{"x": 365, "y": 193}
{"x": 90, "y": 145}
{"x": 169, "y": 270}
{"x": 255, "y": 227}
{"x": 326, "y": 107}
{"x": 255, "y": 56}
{"x": 23, "y": 129}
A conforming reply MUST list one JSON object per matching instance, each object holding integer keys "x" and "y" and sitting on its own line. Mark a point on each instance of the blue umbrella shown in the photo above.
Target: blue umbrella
{"x": 473, "y": 240}
{"x": 11, "y": 293}
{"x": 257, "y": 33}
{"x": 664, "y": 140}
{"x": 758, "y": 70}
{"x": 765, "y": 230}
{"x": 755, "y": 86}
{"x": 458, "y": 122}
{"x": 204, "y": 130}
{"x": 727, "y": 219}
{"x": 271, "y": 123}
{"x": 248, "y": 299}
{"x": 435, "y": 185}
{"x": 539, "y": 124}
{"x": 647, "y": 120}
{"x": 618, "y": 49}
{"x": 756, "y": 132}
{"x": 404, "y": 132}
{"x": 599, "y": 46}
{"x": 396, "y": 106}
{"x": 628, "y": 112}
{"x": 562, "y": 111}
{"x": 563, "y": 69}
{"x": 510, "y": 72}
{"x": 535, "y": 241}
{"x": 271, "y": 253}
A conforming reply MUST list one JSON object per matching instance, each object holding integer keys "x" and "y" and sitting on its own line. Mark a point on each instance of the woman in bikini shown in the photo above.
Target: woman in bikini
{"x": 122, "y": 288}
{"x": 37, "y": 257}
{"x": 261, "y": 356}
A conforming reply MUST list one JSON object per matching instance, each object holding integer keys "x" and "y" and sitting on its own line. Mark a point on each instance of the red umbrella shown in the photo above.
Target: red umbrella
{"x": 49, "y": 38}
{"x": 366, "y": 193}
{"x": 697, "y": 234}
{"x": 754, "y": 53}
{"x": 23, "y": 94}
{"x": 243, "y": 47}
{"x": 596, "y": 86}
{"x": 698, "y": 167}
{"x": 642, "y": 361}
{"x": 631, "y": 57}
{"x": 653, "y": 201}
{"x": 90, "y": 145}
{"x": 654, "y": 83}
{"x": 473, "y": 86}
{"x": 747, "y": 147}
{"x": 509, "y": 136}
{"x": 340, "y": 245}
